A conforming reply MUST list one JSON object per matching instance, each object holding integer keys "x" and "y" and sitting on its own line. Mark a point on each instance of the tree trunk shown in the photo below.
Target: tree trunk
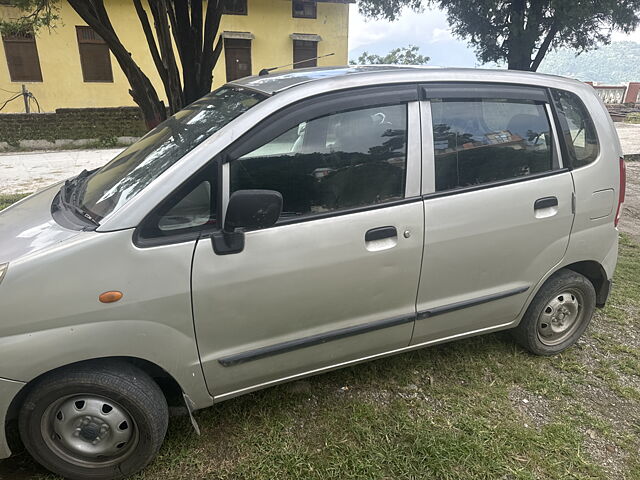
{"x": 519, "y": 51}
{"x": 142, "y": 91}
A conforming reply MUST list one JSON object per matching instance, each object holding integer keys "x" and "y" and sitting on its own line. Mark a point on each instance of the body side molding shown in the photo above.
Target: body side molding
{"x": 284, "y": 347}
{"x": 452, "y": 307}
{"x": 312, "y": 340}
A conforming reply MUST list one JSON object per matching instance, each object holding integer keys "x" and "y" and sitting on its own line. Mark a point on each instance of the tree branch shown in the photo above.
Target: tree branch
{"x": 159, "y": 11}
{"x": 544, "y": 46}
{"x": 208, "y": 55}
{"x": 151, "y": 41}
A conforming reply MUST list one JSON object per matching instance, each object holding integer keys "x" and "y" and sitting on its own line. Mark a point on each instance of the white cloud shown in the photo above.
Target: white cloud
{"x": 427, "y": 29}
{"x": 440, "y": 35}
{"x": 631, "y": 37}
{"x": 364, "y": 32}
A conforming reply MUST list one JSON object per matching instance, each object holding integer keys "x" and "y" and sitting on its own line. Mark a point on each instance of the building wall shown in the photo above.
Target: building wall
{"x": 270, "y": 21}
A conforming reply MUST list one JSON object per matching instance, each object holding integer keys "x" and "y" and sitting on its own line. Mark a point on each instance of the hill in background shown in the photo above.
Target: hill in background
{"x": 616, "y": 63}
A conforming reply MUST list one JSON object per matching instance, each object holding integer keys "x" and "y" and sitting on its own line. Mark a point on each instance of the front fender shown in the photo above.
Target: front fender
{"x": 25, "y": 357}
{"x": 51, "y": 315}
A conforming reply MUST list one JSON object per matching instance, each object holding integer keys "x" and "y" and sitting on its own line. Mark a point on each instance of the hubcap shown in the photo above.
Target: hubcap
{"x": 560, "y": 318}
{"x": 88, "y": 430}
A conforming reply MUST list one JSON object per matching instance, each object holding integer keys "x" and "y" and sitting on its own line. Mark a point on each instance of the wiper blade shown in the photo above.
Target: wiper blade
{"x": 83, "y": 213}
{"x": 69, "y": 194}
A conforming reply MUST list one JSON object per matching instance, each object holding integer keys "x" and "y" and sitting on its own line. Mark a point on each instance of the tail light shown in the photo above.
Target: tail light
{"x": 621, "y": 190}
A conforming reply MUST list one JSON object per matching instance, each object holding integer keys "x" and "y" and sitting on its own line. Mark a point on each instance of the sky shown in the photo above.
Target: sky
{"x": 429, "y": 30}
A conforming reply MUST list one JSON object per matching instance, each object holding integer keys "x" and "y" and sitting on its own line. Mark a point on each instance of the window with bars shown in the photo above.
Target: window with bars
{"x": 22, "y": 57}
{"x": 305, "y": 9}
{"x": 95, "y": 58}
{"x": 305, "y": 51}
{"x": 235, "y": 7}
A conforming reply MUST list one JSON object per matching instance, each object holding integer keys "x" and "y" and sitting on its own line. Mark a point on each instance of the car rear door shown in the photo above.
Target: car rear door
{"x": 336, "y": 278}
{"x": 498, "y": 205}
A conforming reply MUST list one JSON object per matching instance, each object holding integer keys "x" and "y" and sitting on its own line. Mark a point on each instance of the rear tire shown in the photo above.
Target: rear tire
{"x": 558, "y": 315}
{"x": 102, "y": 420}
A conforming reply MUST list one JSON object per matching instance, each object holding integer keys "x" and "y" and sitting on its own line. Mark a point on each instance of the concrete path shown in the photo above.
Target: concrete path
{"x": 629, "y": 134}
{"x": 29, "y": 171}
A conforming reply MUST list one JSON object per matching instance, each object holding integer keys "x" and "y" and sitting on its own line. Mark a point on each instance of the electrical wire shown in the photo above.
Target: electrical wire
{"x": 10, "y": 100}
{"x": 8, "y": 91}
{"x": 33, "y": 97}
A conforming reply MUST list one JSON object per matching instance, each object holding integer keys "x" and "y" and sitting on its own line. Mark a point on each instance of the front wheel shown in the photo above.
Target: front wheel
{"x": 558, "y": 315}
{"x": 100, "y": 421}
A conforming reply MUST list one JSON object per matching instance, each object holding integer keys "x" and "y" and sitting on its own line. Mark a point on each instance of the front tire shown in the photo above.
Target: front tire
{"x": 558, "y": 315}
{"x": 101, "y": 420}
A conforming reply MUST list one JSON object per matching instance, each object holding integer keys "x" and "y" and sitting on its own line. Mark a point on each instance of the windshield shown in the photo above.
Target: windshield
{"x": 130, "y": 172}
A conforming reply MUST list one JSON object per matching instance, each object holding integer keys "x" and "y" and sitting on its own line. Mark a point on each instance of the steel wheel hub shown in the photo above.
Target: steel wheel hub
{"x": 89, "y": 430}
{"x": 560, "y": 318}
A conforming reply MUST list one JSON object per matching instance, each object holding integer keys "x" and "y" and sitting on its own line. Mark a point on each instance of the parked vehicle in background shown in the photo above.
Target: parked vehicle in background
{"x": 295, "y": 223}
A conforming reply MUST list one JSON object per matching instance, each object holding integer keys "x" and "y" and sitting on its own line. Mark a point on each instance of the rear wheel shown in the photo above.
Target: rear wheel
{"x": 558, "y": 315}
{"x": 95, "y": 421}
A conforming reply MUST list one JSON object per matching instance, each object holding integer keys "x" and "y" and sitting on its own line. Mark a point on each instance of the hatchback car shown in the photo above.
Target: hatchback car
{"x": 289, "y": 224}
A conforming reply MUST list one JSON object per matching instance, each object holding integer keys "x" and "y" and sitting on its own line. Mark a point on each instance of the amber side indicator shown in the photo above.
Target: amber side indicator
{"x": 110, "y": 297}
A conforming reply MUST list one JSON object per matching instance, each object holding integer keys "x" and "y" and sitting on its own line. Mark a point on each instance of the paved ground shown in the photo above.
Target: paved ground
{"x": 630, "y": 220}
{"x": 629, "y": 134}
{"x": 29, "y": 171}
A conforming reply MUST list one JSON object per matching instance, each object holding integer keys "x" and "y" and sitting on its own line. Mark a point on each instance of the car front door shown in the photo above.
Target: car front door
{"x": 498, "y": 206}
{"x": 336, "y": 278}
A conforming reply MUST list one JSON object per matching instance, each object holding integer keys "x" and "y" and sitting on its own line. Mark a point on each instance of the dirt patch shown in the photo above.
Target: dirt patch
{"x": 535, "y": 410}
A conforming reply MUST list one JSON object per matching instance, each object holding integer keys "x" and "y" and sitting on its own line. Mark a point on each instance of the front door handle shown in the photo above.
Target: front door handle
{"x": 545, "y": 202}
{"x": 380, "y": 234}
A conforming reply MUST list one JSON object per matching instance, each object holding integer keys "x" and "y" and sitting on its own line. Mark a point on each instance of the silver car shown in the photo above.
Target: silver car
{"x": 289, "y": 224}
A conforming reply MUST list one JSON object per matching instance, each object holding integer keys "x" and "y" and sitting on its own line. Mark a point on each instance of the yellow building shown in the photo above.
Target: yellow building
{"x": 71, "y": 67}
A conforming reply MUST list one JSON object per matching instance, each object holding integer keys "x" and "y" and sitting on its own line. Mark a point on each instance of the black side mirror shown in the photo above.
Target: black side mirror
{"x": 252, "y": 209}
{"x": 247, "y": 210}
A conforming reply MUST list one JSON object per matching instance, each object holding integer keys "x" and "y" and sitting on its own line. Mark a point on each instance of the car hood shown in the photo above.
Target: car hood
{"x": 27, "y": 226}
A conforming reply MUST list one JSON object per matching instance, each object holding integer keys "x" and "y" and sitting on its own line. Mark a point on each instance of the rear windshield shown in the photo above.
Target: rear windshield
{"x": 578, "y": 129}
{"x": 130, "y": 172}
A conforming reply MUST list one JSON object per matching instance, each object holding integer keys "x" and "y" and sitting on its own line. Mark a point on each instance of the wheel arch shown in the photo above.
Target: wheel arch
{"x": 169, "y": 386}
{"x": 596, "y": 274}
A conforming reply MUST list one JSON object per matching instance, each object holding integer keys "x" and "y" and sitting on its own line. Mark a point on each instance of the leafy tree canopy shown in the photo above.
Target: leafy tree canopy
{"x": 521, "y": 32}
{"x": 37, "y": 14}
{"x": 398, "y": 56}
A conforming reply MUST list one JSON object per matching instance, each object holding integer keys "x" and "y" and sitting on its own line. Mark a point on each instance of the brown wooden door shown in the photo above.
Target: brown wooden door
{"x": 237, "y": 58}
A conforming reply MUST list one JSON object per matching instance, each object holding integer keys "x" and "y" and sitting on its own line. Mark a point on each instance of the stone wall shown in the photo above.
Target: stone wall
{"x": 98, "y": 124}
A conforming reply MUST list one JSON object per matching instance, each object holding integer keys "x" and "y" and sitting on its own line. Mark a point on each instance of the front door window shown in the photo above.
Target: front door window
{"x": 346, "y": 160}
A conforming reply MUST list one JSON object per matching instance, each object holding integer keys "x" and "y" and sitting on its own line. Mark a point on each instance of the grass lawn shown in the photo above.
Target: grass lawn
{"x": 480, "y": 408}
{"x": 6, "y": 200}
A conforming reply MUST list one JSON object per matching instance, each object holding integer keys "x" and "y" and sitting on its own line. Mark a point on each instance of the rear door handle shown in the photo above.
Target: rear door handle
{"x": 545, "y": 202}
{"x": 380, "y": 234}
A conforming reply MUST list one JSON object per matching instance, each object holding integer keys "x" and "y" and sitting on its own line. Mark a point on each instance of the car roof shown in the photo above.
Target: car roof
{"x": 368, "y": 74}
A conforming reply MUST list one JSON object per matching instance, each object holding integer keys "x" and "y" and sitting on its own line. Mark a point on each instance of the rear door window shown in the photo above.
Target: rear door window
{"x": 484, "y": 140}
{"x": 577, "y": 128}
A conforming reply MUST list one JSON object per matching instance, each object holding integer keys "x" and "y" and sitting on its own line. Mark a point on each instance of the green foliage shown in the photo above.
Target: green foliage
{"x": 398, "y": 56}
{"x": 7, "y": 200}
{"x": 519, "y": 32}
{"x": 387, "y": 9}
{"x": 613, "y": 64}
{"x": 107, "y": 141}
{"x": 30, "y": 16}
{"x": 633, "y": 118}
